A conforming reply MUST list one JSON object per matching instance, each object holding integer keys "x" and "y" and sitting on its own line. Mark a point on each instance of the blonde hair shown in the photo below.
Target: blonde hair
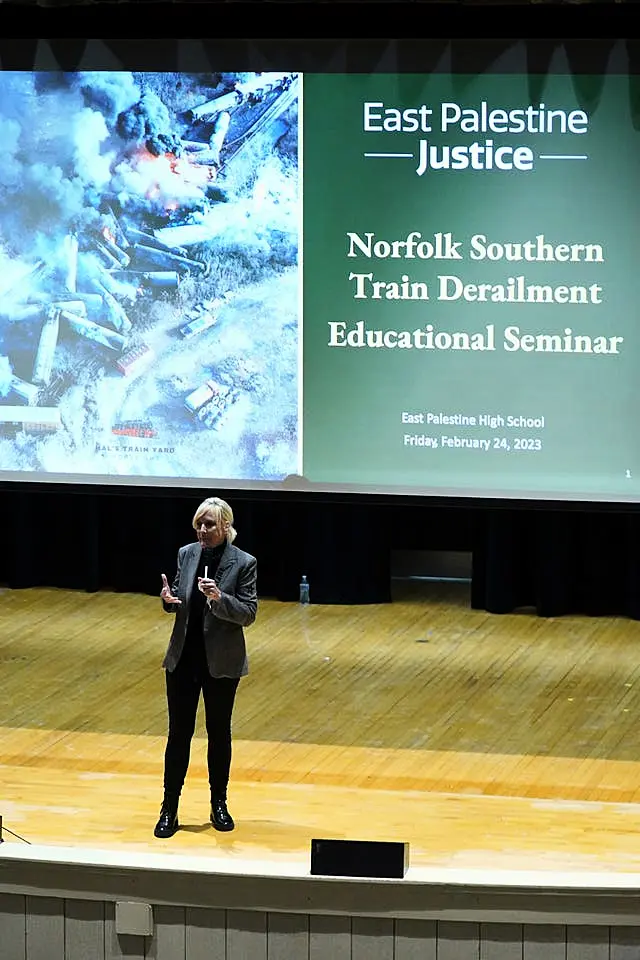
{"x": 221, "y": 511}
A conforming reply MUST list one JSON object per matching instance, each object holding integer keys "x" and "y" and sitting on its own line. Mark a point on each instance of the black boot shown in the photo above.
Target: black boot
{"x": 168, "y": 821}
{"x": 220, "y": 816}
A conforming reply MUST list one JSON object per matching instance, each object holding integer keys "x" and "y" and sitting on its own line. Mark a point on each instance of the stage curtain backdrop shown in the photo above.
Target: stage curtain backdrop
{"x": 557, "y": 562}
{"x": 564, "y": 561}
{"x": 102, "y": 541}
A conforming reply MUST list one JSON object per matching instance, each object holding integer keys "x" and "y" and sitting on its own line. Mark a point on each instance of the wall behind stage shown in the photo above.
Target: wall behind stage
{"x": 549, "y": 557}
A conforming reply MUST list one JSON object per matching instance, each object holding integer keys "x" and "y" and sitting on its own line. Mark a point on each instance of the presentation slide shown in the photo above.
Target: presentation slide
{"x": 396, "y": 284}
{"x": 470, "y": 285}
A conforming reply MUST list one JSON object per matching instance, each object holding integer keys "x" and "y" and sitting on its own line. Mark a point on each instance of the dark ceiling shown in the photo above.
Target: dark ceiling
{"x": 310, "y": 19}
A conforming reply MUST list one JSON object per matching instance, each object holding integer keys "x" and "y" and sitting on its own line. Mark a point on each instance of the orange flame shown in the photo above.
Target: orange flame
{"x": 191, "y": 174}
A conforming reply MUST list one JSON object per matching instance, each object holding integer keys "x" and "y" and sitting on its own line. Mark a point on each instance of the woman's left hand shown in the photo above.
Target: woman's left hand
{"x": 209, "y": 588}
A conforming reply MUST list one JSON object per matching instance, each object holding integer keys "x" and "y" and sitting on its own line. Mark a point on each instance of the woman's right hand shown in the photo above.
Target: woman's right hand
{"x": 166, "y": 594}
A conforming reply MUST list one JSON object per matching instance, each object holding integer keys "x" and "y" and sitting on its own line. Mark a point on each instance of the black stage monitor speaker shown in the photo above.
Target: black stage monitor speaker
{"x": 359, "y": 858}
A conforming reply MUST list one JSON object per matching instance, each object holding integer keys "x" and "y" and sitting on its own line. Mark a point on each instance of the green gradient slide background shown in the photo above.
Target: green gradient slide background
{"x": 354, "y": 398}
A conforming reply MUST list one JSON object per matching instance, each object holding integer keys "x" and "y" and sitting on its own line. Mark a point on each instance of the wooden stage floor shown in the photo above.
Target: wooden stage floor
{"x": 489, "y": 743}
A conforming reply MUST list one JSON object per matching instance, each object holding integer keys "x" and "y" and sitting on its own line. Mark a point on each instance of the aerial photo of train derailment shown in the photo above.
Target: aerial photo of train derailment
{"x": 149, "y": 288}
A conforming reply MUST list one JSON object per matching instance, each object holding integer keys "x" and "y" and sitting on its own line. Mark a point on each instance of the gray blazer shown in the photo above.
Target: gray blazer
{"x": 224, "y": 619}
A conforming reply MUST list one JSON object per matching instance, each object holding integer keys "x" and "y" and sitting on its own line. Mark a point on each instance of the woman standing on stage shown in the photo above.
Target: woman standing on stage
{"x": 213, "y": 597}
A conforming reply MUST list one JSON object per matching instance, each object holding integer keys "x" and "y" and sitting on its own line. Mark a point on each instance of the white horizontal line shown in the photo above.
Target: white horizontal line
{"x": 408, "y": 155}
{"x": 562, "y": 156}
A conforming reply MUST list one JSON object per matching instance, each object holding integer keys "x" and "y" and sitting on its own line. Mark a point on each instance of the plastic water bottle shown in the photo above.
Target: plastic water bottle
{"x": 304, "y": 590}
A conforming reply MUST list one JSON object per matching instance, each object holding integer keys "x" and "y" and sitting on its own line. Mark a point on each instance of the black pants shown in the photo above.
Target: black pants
{"x": 184, "y": 686}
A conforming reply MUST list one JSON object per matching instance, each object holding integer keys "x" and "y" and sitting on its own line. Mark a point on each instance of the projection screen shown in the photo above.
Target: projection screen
{"x": 380, "y": 283}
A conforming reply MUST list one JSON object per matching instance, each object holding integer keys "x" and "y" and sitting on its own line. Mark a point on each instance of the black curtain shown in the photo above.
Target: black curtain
{"x": 124, "y": 541}
{"x": 557, "y": 561}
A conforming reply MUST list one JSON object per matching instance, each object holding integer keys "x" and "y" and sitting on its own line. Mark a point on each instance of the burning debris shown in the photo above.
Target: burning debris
{"x": 147, "y": 122}
{"x": 113, "y": 219}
